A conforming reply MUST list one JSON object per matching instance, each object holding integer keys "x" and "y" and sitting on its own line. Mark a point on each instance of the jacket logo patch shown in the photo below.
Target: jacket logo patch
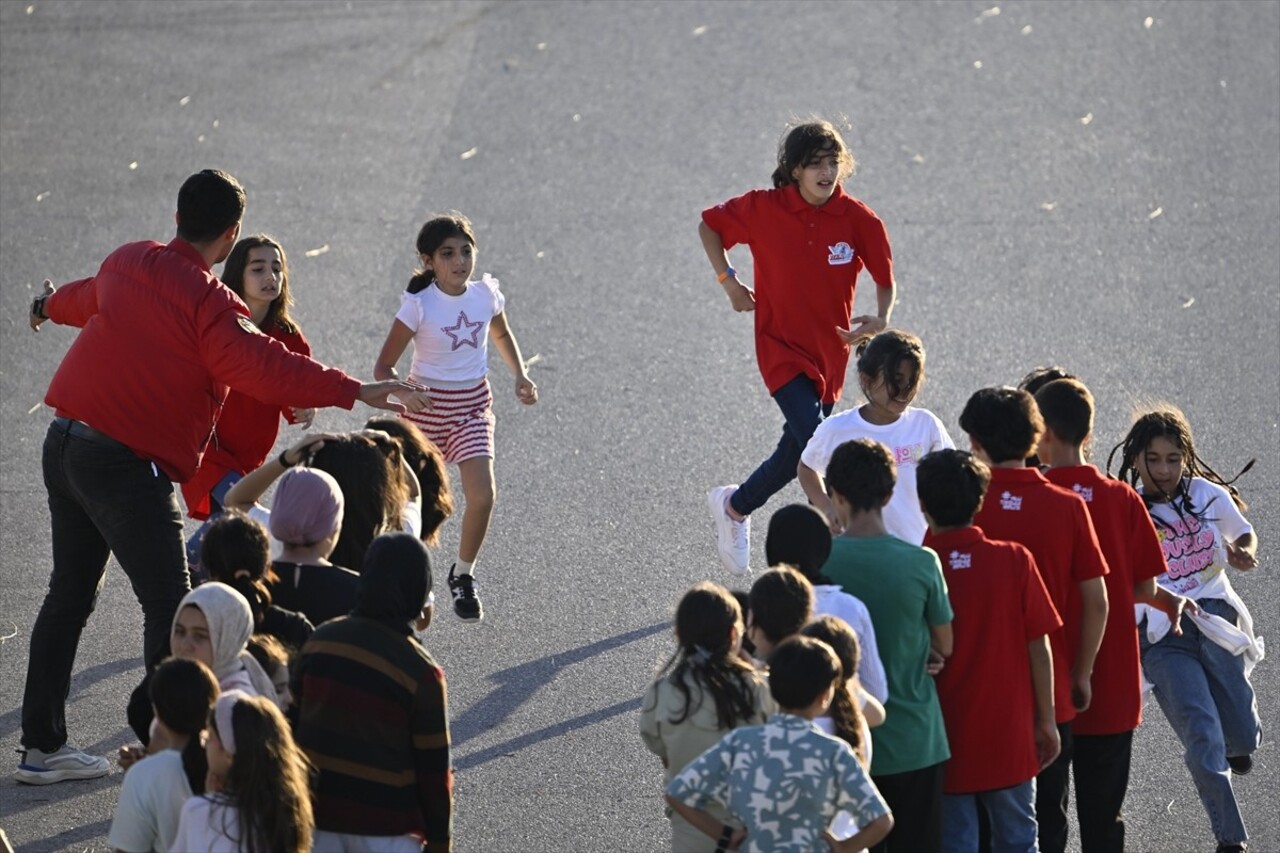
{"x": 247, "y": 325}
{"x": 841, "y": 253}
{"x": 1010, "y": 502}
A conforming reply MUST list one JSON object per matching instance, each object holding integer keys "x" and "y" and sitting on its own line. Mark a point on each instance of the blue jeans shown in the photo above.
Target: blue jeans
{"x": 1203, "y": 692}
{"x": 103, "y": 499}
{"x": 217, "y": 496}
{"x": 803, "y": 410}
{"x": 1012, "y": 814}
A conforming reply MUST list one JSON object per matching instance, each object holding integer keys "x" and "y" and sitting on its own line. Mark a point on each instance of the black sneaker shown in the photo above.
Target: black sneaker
{"x": 465, "y": 601}
{"x": 1240, "y": 764}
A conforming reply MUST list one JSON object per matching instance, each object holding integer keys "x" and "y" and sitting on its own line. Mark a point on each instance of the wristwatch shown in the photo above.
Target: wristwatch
{"x": 37, "y": 306}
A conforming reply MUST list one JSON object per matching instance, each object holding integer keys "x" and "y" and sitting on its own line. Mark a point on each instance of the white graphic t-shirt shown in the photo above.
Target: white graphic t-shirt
{"x": 908, "y": 438}
{"x": 451, "y": 333}
{"x": 1195, "y": 551}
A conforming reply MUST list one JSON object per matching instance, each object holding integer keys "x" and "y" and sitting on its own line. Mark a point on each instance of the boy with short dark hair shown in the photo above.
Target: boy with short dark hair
{"x": 902, "y": 586}
{"x": 779, "y": 605}
{"x": 996, "y": 691}
{"x": 1103, "y": 733}
{"x": 1021, "y": 506}
{"x": 786, "y": 779}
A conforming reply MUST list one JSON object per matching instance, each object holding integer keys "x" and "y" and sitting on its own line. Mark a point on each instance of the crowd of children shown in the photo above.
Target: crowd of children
{"x": 1016, "y": 595}
{"x": 943, "y": 637}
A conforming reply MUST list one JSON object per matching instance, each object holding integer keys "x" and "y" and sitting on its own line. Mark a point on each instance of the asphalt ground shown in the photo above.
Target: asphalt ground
{"x": 1094, "y": 185}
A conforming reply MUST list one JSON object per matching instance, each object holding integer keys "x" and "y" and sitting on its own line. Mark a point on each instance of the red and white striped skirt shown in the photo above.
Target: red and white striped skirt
{"x": 459, "y": 422}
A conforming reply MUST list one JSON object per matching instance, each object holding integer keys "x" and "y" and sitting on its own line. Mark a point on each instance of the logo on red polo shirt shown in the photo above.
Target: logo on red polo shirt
{"x": 841, "y": 253}
{"x": 1085, "y": 492}
{"x": 1010, "y": 501}
{"x": 960, "y": 560}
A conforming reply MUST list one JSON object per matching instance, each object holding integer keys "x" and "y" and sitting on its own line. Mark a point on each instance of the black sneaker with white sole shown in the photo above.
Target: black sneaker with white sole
{"x": 465, "y": 601}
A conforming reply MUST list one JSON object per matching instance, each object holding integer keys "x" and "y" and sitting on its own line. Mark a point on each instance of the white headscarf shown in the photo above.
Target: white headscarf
{"x": 230, "y": 626}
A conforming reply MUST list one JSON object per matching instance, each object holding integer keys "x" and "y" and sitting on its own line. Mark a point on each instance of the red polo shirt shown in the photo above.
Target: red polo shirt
{"x": 1132, "y": 549}
{"x": 985, "y": 689}
{"x": 1022, "y": 506}
{"x": 807, "y": 260}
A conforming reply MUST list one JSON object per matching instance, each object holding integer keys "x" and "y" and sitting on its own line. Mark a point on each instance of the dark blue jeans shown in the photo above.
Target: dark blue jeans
{"x": 103, "y": 499}
{"x": 803, "y": 410}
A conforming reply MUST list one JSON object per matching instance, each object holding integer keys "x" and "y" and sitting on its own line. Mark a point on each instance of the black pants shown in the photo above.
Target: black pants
{"x": 1052, "y": 793}
{"x": 1101, "y": 768}
{"x": 103, "y": 499}
{"x": 915, "y": 798}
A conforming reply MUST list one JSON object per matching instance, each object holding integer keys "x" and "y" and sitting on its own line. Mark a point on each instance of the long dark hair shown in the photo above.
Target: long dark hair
{"x": 182, "y": 692}
{"x": 236, "y": 550}
{"x": 367, "y": 469}
{"x": 434, "y": 232}
{"x": 1169, "y": 422}
{"x": 705, "y": 657}
{"x": 268, "y": 783}
{"x": 845, "y": 711}
{"x": 233, "y": 277}
{"x": 427, "y": 463}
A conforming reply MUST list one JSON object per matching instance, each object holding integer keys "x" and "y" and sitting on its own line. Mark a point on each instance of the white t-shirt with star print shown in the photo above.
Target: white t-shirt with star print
{"x": 451, "y": 333}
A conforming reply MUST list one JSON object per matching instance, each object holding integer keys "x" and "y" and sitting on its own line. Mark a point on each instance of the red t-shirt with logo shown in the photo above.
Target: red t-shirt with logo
{"x": 807, "y": 260}
{"x": 985, "y": 689}
{"x": 1132, "y": 549}
{"x": 1022, "y": 506}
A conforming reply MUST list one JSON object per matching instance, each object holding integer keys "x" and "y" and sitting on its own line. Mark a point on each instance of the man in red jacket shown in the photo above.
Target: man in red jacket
{"x": 136, "y": 398}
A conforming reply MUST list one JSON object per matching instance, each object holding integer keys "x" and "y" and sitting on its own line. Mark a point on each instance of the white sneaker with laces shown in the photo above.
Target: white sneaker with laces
{"x": 44, "y": 768}
{"x": 733, "y": 538}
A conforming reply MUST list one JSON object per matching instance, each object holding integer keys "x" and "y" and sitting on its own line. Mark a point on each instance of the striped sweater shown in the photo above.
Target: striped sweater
{"x": 370, "y": 710}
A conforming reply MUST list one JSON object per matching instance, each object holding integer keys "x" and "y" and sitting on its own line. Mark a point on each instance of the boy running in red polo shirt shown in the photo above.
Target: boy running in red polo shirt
{"x": 809, "y": 241}
{"x": 1103, "y": 734}
{"x": 996, "y": 690}
{"x": 1021, "y": 506}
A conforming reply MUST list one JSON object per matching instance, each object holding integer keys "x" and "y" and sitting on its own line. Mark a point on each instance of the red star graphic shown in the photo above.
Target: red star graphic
{"x": 464, "y": 338}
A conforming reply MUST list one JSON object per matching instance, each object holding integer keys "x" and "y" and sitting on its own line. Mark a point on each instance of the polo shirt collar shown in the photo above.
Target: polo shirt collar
{"x": 1017, "y": 476}
{"x": 958, "y": 538}
{"x": 835, "y": 206}
{"x": 1079, "y": 472}
{"x": 182, "y": 247}
{"x": 790, "y": 721}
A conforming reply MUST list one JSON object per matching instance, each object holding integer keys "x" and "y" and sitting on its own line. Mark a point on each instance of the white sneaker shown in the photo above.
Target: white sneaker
{"x": 733, "y": 538}
{"x": 44, "y": 768}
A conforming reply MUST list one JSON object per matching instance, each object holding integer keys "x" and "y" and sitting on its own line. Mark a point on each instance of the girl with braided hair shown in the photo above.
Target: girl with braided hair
{"x": 1200, "y": 676}
{"x": 705, "y": 690}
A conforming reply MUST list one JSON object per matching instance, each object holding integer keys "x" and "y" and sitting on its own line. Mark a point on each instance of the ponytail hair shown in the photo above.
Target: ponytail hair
{"x": 708, "y": 659}
{"x": 434, "y": 232}
{"x": 845, "y": 711}
{"x": 236, "y": 550}
{"x": 182, "y": 693}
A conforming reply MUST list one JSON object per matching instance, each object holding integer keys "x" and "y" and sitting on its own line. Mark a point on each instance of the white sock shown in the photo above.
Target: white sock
{"x": 462, "y": 567}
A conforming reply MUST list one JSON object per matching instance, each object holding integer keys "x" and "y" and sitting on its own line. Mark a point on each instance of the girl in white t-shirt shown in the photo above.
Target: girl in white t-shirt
{"x": 1200, "y": 669}
{"x": 258, "y": 798}
{"x": 146, "y": 818}
{"x": 891, "y": 373}
{"x": 449, "y": 318}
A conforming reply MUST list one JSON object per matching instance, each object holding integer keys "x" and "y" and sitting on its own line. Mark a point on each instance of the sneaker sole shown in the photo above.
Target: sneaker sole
{"x": 51, "y": 777}
{"x": 479, "y": 618}
{"x": 715, "y": 506}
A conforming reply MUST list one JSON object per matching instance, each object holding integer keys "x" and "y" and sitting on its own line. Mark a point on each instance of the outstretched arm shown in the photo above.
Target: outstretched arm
{"x": 505, "y": 340}
{"x": 866, "y": 326}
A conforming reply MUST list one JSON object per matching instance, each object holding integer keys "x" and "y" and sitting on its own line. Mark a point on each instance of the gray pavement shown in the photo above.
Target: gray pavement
{"x": 1096, "y": 185}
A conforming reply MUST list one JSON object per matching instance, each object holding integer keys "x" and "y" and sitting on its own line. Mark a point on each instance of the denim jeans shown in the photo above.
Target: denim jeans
{"x": 102, "y": 499}
{"x": 217, "y": 495}
{"x": 1203, "y": 692}
{"x": 802, "y": 410}
{"x": 1011, "y": 812}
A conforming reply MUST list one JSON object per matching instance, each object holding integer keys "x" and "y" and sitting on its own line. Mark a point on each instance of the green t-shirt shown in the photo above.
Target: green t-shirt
{"x": 904, "y": 591}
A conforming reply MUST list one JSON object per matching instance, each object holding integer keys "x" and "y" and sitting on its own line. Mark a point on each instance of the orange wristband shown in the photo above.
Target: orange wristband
{"x": 729, "y": 273}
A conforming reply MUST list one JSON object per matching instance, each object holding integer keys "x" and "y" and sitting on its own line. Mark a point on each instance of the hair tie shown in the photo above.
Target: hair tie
{"x": 222, "y": 718}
